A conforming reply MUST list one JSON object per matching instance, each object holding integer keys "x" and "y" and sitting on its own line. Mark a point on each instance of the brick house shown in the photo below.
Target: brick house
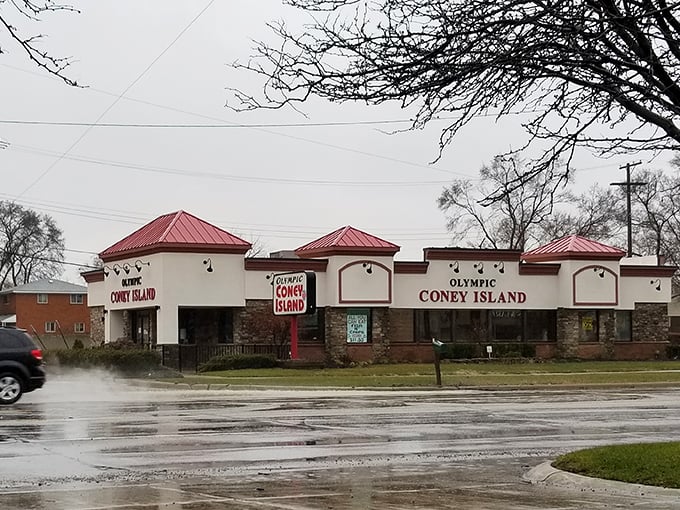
{"x": 54, "y": 312}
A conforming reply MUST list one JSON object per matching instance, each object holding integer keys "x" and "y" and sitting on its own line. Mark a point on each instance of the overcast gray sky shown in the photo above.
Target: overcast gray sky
{"x": 155, "y": 62}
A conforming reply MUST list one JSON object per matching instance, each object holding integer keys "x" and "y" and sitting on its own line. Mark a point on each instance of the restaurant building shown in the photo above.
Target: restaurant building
{"x": 182, "y": 281}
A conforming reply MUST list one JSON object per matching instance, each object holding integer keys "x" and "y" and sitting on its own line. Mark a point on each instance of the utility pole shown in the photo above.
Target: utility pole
{"x": 628, "y": 184}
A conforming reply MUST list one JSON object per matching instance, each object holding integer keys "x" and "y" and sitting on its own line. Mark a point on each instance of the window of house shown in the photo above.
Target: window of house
{"x": 358, "y": 325}
{"x": 50, "y": 327}
{"x": 42, "y": 299}
{"x": 79, "y": 327}
{"x": 76, "y": 299}
{"x": 311, "y": 328}
{"x": 623, "y": 325}
{"x": 588, "y": 326}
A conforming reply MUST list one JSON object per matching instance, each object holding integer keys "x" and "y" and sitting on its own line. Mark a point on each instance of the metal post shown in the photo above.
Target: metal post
{"x": 293, "y": 337}
{"x": 629, "y": 215}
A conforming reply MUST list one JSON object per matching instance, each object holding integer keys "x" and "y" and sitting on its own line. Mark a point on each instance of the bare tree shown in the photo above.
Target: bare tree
{"x": 574, "y": 67}
{"x": 506, "y": 223}
{"x": 15, "y": 16}
{"x": 536, "y": 213}
{"x": 656, "y": 215}
{"x": 598, "y": 214}
{"x": 31, "y": 245}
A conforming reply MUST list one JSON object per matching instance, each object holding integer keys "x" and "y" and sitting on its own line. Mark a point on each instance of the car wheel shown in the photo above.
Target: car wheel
{"x": 10, "y": 388}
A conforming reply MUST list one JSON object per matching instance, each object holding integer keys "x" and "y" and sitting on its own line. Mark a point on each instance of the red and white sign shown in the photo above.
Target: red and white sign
{"x": 294, "y": 293}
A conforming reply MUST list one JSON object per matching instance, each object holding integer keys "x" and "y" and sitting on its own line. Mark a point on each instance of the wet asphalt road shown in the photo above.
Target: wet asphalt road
{"x": 92, "y": 442}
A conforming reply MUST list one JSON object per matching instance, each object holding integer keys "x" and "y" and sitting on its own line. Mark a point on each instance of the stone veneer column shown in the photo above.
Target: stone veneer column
{"x": 650, "y": 322}
{"x": 607, "y": 333}
{"x": 380, "y": 334}
{"x": 255, "y": 309}
{"x": 336, "y": 335}
{"x": 97, "y": 334}
{"x": 127, "y": 326}
{"x": 567, "y": 333}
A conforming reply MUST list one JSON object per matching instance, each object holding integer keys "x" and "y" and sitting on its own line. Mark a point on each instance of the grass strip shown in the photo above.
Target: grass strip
{"x": 453, "y": 375}
{"x": 648, "y": 463}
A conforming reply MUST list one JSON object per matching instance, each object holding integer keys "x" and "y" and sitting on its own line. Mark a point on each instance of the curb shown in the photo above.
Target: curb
{"x": 546, "y": 474}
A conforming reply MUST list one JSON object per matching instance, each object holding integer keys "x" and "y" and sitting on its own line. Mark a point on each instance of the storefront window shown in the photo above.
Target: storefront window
{"x": 311, "y": 328}
{"x": 433, "y": 324}
{"x": 225, "y": 326}
{"x": 588, "y": 326}
{"x": 541, "y": 325}
{"x": 358, "y": 325}
{"x": 471, "y": 326}
{"x": 506, "y": 325}
{"x": 205, "y": 326}
{"x": 622, "y": 323}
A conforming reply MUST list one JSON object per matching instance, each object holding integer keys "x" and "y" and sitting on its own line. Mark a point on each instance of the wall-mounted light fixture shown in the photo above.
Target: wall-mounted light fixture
{"x": 368, "y": 266}
{"x": 208, "y": 262}
{"x": 455, "y": 266}
{"x": 500, "y": 266}
{"x": 270, "y": 276}
{"x": 126, "y": 268}
{"x": 106, "y": 270}
{"x": 656, "y": 282}
{"x": 479, "y": 266}
{"x": 139, "y": 264}
{"x": 599, "y": 271}
{"x": 117, "y": 268}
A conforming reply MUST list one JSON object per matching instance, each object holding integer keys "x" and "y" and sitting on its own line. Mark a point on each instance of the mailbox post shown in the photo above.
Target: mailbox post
{"x": 437, "y": 346}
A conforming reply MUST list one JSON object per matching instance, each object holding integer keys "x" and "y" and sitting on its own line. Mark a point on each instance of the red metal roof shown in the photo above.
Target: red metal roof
{"x": 347, "y": 241}
{"x": 177, "y": 231}
{"x": 573, "y": 247}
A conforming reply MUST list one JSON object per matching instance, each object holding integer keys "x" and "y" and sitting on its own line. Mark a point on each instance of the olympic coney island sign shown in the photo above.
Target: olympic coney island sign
{"x": 294, "y": 293}
{"x": 472, "y": 291}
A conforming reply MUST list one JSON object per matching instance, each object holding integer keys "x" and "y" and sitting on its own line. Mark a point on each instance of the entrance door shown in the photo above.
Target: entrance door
{"x": 144, "y": 327}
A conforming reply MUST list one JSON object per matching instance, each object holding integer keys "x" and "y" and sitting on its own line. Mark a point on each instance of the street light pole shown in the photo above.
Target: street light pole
{"x": 628, "y": 184}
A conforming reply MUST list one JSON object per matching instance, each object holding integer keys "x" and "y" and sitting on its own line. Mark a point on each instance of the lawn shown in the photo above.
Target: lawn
{"x": 453, "y": 375}
{"x": 647, "y": 463}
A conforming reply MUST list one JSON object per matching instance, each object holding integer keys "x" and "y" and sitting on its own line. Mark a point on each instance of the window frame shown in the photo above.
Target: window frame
{"x": 73, "y": 299}
{"x": 76, "y": 329}
{"x": 360, "y": 311}
{"x": 40, "y": 301}
{"x": 53, "y": 328}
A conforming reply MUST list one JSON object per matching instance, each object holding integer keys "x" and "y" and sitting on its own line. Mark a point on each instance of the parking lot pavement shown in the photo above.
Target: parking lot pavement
{"x": 90, "y": 441}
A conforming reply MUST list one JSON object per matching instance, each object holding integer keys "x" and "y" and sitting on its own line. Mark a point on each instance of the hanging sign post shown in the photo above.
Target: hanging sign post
{"x": 294, "y": 294}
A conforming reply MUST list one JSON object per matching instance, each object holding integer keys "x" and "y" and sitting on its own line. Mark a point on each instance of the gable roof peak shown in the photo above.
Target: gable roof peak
{"x": 176, "y": 231}
{"x": 573, "y": 247}
{"x": 347, "y": 240}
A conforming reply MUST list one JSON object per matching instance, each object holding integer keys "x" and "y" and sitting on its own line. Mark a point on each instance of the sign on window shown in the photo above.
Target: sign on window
{"x": 357, "y": 326}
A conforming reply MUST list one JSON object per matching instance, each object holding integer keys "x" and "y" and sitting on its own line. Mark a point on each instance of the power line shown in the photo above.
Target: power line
{"x": 115, "y": 102}
{"x": 218, "y": 176}
{"x": 202, "y": 126}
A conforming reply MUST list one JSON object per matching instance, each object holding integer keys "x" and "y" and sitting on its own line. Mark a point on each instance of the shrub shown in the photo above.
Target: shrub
{"x": 238, "y": 361}
{"x": 500, "y": 350}
{"x": 125, "y": 361}
{"x": 673, "y": 351}
{"x": 77, "y": 344}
